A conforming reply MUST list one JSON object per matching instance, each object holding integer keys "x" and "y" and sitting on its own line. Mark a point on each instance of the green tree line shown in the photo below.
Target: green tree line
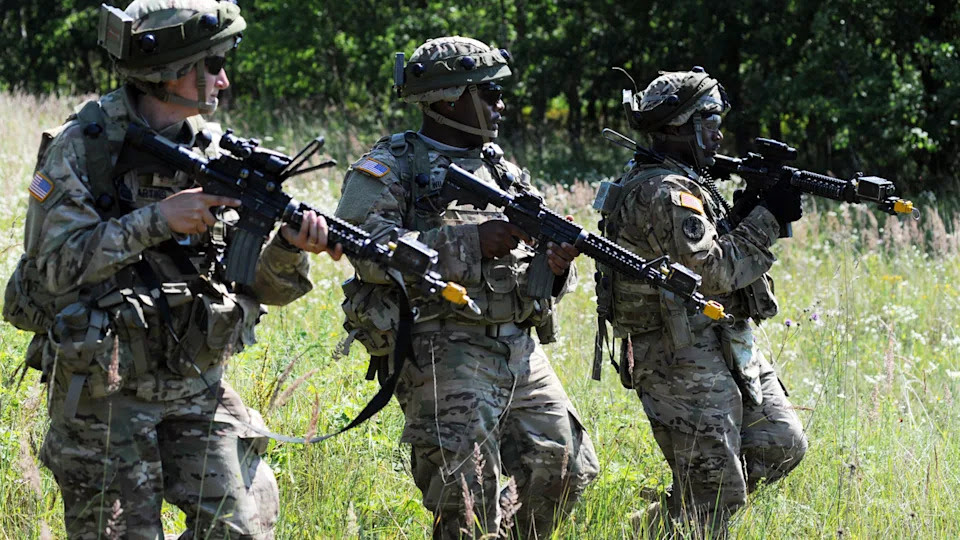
{"x": 855, "y": 84}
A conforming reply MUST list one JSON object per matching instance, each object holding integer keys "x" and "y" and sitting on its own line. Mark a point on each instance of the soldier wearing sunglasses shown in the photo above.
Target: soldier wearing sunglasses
{"x": 480, "y": 398}
{"x": 122, "y": 285}
{"x": 715, "y": 404}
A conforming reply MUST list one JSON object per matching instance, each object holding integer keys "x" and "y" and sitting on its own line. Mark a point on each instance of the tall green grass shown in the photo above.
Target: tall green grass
{"x": 866, "y": 342}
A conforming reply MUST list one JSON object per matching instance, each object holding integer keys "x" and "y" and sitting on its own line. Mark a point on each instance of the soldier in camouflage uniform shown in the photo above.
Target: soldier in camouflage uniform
{"x": 717, "y": 409}
{"x": 480, "y": 398}
{"x": 138, "y": 410}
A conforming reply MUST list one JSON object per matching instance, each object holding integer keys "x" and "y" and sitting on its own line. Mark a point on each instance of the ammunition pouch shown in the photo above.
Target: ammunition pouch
{"x": 501, "y": 279}
{"x": 759, "y": 298}
{"x": 26, "y": 304}
{"x": 219, "y": 326}
{"x": 87, "y": 351}
{"x": 676, "y": 321}
{"x": 372, "y": 313}
{"x": 736, "y": 343}
{"x": 549, "y": 324}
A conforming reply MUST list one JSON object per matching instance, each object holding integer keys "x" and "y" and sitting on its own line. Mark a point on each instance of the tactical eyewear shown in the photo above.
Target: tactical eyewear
{"x": 491, "y": 92}
{"x": 711, "y": 122}
{"x": 214, "y": 64}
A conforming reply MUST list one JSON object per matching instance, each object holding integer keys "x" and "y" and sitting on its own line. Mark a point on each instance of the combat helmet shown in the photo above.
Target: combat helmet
{"x": 443, "y": 68}
{"x": 673, "y": 99}
{"x": 154, "y": 41}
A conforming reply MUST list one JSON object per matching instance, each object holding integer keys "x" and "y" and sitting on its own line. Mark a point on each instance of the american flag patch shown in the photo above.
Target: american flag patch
{"x": 688, "y": 200}
{"x": 372, "y": 167}
{"x": 40, "y": 187}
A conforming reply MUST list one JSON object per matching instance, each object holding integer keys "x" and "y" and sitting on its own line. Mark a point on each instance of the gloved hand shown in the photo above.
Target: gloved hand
{"x": 743, "y": 203}
{"x": 783, "y": 203}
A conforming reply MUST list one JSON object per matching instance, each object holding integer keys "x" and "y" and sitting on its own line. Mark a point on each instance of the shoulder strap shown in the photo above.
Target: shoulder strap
{"x": 610, "y": 198}
{"x": 96, "y": 147}
{"x": 97, "y": 144}
{"x": 492, "y": 156}
{"x": 616, "y": 193}
{"x": 414, "y": 168}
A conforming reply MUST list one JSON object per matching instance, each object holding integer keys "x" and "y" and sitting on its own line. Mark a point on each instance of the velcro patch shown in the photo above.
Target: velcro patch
{"x": 693, "y": 228}
{"x": 372, "y": 167}
{"x": 687, "y": 200}
{"x": 40, "y": 187}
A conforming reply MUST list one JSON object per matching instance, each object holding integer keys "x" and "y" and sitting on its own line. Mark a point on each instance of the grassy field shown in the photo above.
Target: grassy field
{"x": 866, "y": 342}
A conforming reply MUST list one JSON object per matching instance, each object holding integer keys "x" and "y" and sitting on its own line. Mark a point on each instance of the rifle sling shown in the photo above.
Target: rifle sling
{"x": 403, "y": 348}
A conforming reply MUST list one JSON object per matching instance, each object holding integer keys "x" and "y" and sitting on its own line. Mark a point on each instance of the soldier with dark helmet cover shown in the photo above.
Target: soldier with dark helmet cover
{"x": 480, "y": 398}
{"x": 121, "y": 283}
{"x": 717, "y": 409}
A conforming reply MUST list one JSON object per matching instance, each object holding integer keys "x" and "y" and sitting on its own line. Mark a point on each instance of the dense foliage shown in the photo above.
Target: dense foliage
{"x": 855, "y": 84}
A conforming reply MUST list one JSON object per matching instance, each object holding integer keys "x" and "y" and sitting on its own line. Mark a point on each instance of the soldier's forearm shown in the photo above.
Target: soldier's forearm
{"x": 72, "y": 257}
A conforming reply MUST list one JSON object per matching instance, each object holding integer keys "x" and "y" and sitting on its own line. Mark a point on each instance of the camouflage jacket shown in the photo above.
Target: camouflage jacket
{"x": 376, "y": 196}
{"x": 666, "y": 210}
{"x": 74, "y": 247}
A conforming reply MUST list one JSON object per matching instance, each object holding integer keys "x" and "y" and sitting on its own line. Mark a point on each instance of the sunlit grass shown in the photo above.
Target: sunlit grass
{"x": 870, "y": 356}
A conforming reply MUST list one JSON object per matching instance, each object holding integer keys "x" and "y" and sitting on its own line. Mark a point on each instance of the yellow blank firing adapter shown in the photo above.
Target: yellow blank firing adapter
{"x": 901, "y": 206}
{"x": 714, "y": 310}
{"x": 457, "y": 294}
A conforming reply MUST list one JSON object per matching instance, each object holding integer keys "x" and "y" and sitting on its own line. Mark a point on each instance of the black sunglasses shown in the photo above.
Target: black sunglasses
{"x": 214, "y": 64}
{"x": 490, "y": 91}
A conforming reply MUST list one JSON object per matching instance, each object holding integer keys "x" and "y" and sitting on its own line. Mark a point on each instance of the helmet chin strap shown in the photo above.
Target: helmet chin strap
{"x": 161, "y": 93}
{"x": 487, "y": 134}
{"x": 205, "y": 107}
{"x": 694, "y": 142}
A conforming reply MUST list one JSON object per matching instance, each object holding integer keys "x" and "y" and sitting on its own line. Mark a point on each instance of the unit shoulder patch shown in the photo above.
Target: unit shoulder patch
{"x": 687, "y": 200}
{"x": 372, "y": 167}
{"x": 693, "y": 228}
{"x": 40, "y": 187}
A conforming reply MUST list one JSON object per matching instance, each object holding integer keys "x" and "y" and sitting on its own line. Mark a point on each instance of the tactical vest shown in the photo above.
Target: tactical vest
{"x": 111, "y": 334}
{"x": 370, "y": 309}
{"x": 633, "y": 307}
{"x": 639, "y": 307}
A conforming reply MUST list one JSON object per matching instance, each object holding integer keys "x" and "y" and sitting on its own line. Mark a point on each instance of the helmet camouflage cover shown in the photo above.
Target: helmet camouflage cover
{"x": 442, "y": 68}
{"x": 160, "y": 40}
{"x": 672, "y": 99}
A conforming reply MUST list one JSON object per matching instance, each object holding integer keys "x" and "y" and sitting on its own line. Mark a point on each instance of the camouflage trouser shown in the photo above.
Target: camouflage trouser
{"x": 501, "y": 397}
{"x": 121, "y": 456}
{"x": 718, "y": 443}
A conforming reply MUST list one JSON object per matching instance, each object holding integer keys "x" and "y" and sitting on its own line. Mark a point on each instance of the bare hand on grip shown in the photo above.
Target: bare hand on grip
{"x": 560, "y": 257}
{"x": 188, "y": 211}
{"x": 312, "y": 236}
{"x": 498, "y": 237}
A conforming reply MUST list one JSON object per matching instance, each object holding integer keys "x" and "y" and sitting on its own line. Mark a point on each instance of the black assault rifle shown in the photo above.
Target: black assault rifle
{"x": 766, "y": 168}
{"x": 528, "y": 212}
{"x": 255, "y": 175}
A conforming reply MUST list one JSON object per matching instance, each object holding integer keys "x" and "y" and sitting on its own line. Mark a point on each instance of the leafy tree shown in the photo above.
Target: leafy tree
{"x": 854, "y": 84}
